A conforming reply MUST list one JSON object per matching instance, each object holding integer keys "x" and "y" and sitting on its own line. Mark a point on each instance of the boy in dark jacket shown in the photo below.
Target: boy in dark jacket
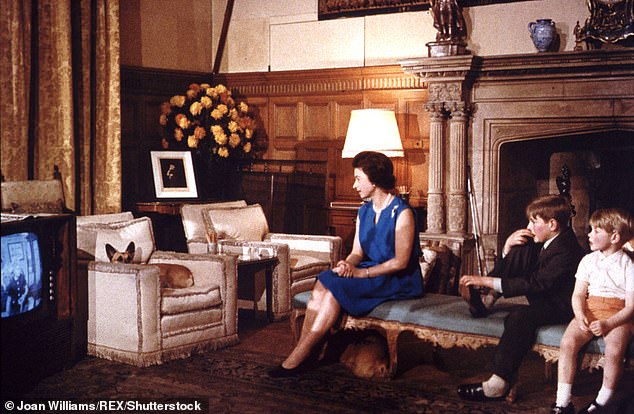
{"x": 538, "y": 262}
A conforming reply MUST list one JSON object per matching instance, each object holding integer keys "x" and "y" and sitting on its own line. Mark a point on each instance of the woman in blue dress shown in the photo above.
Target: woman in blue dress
{"x": 383, "y": 264}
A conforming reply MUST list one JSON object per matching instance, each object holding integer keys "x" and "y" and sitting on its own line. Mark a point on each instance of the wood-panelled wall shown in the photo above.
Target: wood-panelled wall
{"x": 302, "y": 115}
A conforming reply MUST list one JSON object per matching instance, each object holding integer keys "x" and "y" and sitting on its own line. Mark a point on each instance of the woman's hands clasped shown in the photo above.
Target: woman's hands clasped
{"x": 344, "y": 269}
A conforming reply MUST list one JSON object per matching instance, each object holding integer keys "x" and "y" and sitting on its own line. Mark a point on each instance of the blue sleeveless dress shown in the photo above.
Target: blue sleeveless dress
{"x": 358, "y": 296}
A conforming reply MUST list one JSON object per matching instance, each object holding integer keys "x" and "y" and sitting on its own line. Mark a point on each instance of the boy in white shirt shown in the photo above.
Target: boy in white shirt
{"x": 603, "y": 303}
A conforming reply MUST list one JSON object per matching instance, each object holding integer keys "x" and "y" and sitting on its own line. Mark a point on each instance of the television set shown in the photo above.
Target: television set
{"x": 21, "y": 273}
{"x": 42, "y": 327}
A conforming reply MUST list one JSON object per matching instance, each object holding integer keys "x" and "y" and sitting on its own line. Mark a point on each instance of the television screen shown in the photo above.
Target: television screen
{"x": 21, "y": 273}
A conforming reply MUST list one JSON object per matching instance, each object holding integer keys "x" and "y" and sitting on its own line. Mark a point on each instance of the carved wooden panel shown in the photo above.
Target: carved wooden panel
{"x": 317, "y": 121}
{"x": 285, "y": 127}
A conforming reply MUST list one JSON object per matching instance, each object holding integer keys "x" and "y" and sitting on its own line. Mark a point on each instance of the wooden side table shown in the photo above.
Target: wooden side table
{"x": 248, "y": 267}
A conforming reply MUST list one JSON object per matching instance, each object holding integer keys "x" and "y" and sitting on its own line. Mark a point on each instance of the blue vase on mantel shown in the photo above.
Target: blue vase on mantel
{"x": 543, "y": 34}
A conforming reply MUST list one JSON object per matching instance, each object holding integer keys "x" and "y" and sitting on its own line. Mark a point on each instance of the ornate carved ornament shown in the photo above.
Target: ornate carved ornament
{"x": 442, "y": 68}
{"x": 610, "y": 21}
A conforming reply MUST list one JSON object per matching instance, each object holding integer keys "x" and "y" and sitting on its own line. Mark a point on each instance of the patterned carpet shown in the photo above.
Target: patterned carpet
{"x": 235, "y": 381}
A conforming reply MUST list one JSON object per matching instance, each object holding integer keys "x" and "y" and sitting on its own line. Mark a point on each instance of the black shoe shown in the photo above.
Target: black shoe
{"x": 476, "y": 306}
{"x": 569, "y": 409}
{"x": 306, "y": 365}
{"x": 281, "y": 372}
{"x": 593, "y": 407}
{"x": 475, "y": 392}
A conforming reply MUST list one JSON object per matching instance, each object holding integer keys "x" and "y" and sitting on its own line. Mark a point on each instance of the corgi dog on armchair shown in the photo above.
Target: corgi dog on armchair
{"x": 171, "y": 275}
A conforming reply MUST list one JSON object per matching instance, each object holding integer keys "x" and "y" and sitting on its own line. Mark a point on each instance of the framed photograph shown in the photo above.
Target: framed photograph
{"x": 173, "y": 174}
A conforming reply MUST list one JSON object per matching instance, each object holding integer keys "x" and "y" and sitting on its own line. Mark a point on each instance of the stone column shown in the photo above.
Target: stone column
{"x": 457, "y": 191}
{"x": 435, "y": 195}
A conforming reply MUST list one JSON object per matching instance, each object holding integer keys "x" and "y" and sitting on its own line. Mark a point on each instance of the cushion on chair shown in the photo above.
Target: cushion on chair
{"x": 305, "y": 261}
{"x": 238, "y": 223}
{"x": 189, "y": 299}
{"x": 427, "y": 263}
{"x": 191, "y": 214}
{"x": 92, "y": 239}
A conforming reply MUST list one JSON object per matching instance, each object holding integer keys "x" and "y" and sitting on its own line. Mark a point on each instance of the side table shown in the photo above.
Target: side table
{"x": 248, "y": 267}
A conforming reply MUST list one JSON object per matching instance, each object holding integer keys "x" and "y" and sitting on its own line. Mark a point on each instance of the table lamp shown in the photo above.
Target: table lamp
{"x": 372, "y": 130}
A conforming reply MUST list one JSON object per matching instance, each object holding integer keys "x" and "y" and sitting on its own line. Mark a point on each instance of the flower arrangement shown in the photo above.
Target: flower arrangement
{"x": 208, "y": 120}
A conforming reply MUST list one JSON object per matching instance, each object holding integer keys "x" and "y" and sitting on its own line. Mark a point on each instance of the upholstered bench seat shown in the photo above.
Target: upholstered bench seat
{"x": 445, "y": 321}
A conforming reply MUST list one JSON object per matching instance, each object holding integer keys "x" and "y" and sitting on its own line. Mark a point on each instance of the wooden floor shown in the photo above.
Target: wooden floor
{"x": 419, "y": 362}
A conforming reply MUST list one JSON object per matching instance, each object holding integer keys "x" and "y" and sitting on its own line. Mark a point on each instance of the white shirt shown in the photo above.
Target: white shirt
{"x": 607, "y": 276}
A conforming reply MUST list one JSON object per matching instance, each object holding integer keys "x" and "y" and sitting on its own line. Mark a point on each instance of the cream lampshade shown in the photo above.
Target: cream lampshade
{"x": 372, "y": 130}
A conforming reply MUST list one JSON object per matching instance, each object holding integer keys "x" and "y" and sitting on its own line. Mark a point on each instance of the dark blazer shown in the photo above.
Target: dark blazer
{"x": 546, "y": 277}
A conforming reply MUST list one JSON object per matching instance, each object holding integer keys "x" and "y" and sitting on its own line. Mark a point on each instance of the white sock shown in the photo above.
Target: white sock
{"x": 494, "y": 386}
{"x": 564, "y": 394}
{"x": 604, "y": 395}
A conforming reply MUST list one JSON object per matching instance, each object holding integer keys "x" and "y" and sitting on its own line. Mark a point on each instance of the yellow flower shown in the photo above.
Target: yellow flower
{"x": 192, "y": 142}
{"x": 233, "y": 126}
{"x": 166, "y": 108}
{"x": 248, "y": 133}
{"x": 216, "y": 129}
{"x": 216, "y": 114}
{"x": 247, "y": 147}
{"x": 223, "y": 109}
{"x": 221, "y": 138}
{"x": 234, "y": 140}
{"x": 243, "y": 107}
{"x": 205, "y": 86}
{"x": 182, "y": 121}
{"x": 199, "y": 132}
{"x": 212, "y": 92}
{"x": 223, "y": 152}
{"x": 178, "y": 134}
{"x": 233, "y": 114}
{"x": 206, "y": 102}
{"x": 196, "y": 108}
{"x": 177, "y": 100}
{"x": 220, "y": 88}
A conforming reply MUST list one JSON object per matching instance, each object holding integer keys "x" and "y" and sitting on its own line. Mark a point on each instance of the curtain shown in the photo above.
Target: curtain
{"x": 62, "y": 73}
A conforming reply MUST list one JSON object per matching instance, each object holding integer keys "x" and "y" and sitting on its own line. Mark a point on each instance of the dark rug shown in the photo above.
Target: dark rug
{"x": 235, "y": 381}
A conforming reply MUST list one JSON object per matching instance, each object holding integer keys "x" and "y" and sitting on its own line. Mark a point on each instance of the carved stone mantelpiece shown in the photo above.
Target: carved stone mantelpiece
{"x": 479, "y": 104}
{"x": 449, "y": 82}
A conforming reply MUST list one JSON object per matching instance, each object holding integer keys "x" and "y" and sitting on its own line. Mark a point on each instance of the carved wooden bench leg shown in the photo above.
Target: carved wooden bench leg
{"x": 512, "y": 395}
{"x": 550, "y": 371}
{"x": 391, "y": 335}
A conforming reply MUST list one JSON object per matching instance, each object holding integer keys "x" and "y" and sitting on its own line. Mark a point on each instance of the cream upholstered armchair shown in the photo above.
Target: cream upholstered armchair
{"x": 135, "y": 315}
{"x": 237, "y": 227}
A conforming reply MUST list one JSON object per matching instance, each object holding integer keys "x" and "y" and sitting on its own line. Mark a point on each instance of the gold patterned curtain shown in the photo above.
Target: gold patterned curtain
{"x": 63, "y": 105}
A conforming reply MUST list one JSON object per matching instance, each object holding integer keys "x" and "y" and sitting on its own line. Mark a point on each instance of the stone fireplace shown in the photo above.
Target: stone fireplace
{"x": 512, "y": 123}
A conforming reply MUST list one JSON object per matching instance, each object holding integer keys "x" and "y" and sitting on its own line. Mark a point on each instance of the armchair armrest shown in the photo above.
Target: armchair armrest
{"x": 124, "y": 310}
{"x": 197, "y": 245}
{"x": 326, "y": 247}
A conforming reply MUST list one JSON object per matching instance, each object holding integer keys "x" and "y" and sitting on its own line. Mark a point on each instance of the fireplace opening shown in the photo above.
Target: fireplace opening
{"x": 601, "y": 168}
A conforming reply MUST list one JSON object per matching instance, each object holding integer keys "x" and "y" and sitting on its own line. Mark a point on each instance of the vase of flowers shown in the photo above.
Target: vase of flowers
{"x": 219, "y": 132}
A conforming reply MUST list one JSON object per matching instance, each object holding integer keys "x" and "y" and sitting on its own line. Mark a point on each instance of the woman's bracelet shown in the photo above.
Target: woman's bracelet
{"x": 367, "y": 272}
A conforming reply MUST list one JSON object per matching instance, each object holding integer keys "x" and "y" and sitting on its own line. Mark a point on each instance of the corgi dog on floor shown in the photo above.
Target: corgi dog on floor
{"x": 171, "y": 276}
{"x": 367, "y": 357}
